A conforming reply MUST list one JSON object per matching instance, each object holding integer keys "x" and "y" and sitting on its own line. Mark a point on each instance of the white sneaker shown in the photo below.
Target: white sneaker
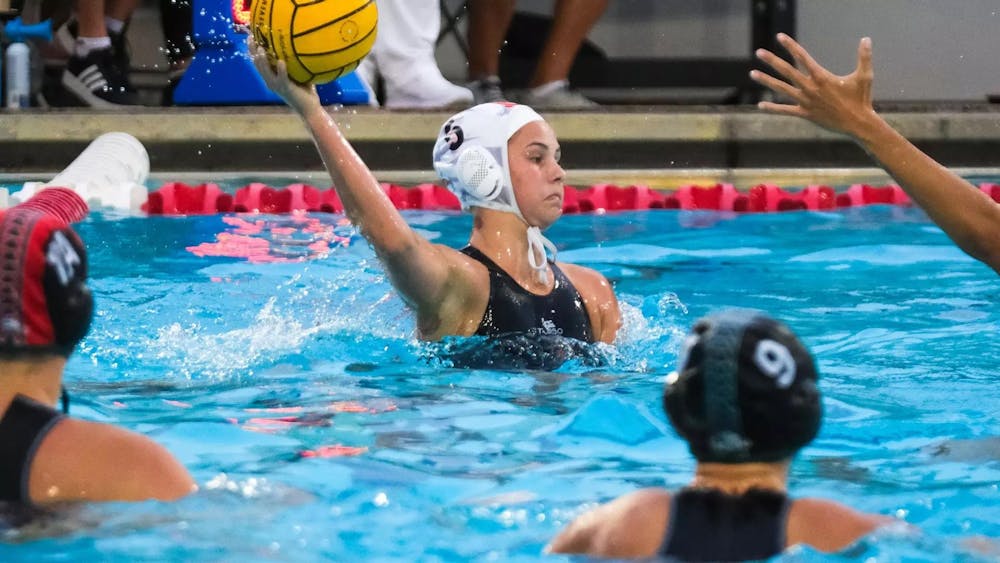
{"x": 427, "y": 91}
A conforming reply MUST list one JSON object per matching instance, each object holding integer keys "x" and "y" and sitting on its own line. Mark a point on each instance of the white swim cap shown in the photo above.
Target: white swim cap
{"x": 470, "y": 155}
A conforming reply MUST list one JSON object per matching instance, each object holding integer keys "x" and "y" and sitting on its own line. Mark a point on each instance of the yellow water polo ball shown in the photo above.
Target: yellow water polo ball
{"x": 319, "y": 40}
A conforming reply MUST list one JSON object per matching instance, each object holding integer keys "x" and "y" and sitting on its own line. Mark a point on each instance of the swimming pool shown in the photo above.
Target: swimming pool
{"x": 290, "y": 383}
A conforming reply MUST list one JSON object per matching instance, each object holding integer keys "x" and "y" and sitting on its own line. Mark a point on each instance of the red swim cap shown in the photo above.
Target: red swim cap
{"x": 45, "y": 304}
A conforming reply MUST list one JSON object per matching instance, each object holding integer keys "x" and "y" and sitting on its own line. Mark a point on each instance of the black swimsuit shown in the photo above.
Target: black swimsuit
{"x": 513, "y": 309}
{"x": 22, "y": 429}
{"x": 708, "y": 525}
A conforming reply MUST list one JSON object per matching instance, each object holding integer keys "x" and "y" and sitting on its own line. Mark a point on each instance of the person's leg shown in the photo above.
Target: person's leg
{"x": 176, "y": 21}
{"x": 404, "y": 56}
{"x": 488, "y": 24}
{"x": 90, "y": 19}
{"x": 117, "y": 14}
{"x": 120, "y": 10}
{"x": 571, "y": 23}
{"x": 91, "y": 73}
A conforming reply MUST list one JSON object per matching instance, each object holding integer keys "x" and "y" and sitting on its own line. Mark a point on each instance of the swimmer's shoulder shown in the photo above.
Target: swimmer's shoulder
{"x": 599, "y": 298}
{"x": 464, "y": 268}
{"x": 81, "y": 460}
{"x": 829, "y": 526}
{"x": 582, "y": 273}
{"x": 462, "y": 297}
{"x": 589, "y": 282}
{"x": 630, "y": 526}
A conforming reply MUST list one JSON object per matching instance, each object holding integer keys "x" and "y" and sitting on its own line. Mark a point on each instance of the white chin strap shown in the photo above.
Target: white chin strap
{"x": 537, "y": 255}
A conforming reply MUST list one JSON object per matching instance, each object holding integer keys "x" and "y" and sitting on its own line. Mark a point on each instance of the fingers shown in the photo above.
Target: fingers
{"x": 865, "y": 59}
{"x": 260, "y": 61}
{"x": 781, "y": 66}
{"x": 271, "y": 73}
{"x": 782, "y": 109}
{"x": 774, "y": 84}
{"x": 803, "y": 58}
{"x": 254, "y": 51}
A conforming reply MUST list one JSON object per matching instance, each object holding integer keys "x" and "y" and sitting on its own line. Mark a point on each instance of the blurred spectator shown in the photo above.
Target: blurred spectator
{"x": 549, "y": 88}
{"x": 404, "y": 57}
{"x": 94, "y": 37}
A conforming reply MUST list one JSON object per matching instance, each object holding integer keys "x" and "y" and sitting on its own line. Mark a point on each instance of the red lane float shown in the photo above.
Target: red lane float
{"x": 768, "y": 197}
{"x": 720, "y": 197}
{"x": 863, "y": 194}
{"x": 992, "y": 190}
{"x": 606, "y": 197}
{"x": 423, "y": 196}
{"x": 176, "y": 198}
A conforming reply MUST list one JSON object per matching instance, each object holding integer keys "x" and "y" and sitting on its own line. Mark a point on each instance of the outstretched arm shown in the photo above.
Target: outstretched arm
{"x": 418, "y": 269}
{"x": 844, "y": 104}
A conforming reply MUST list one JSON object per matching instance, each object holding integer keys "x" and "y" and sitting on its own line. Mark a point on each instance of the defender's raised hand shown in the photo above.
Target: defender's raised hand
{"x": 838, "y": 103}
{"x": 844, "y": 104}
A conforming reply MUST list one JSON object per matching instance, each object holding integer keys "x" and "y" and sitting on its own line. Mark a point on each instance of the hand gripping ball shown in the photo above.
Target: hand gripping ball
{"x": 319, "y": 40}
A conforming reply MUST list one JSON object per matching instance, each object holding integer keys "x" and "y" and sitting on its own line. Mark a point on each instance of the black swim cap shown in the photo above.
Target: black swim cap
{"x": 745, "y": 390}
{"x": 45, "y": 304}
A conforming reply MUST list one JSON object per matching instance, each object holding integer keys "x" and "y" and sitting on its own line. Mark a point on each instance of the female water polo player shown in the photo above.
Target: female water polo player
{"x": 745, "y": 399}
{"x": 46, "y": 457}
{"x": 844, "y": 104}
{"x": 502, "y": 161}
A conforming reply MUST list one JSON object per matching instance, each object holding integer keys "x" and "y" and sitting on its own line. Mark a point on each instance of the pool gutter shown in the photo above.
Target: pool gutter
{"x": 672, "y": 140}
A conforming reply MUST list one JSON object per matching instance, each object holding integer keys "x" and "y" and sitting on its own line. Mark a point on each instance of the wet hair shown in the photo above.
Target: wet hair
{"x": 45, "y": 304}
{"x": 745, "y": 390}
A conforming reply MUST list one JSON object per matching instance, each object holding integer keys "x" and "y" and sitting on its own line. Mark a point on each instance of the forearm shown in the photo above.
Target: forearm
{"x": 365, "y": 203}
{"x": 963, "y": 212}
{"x": 412, "y": 262}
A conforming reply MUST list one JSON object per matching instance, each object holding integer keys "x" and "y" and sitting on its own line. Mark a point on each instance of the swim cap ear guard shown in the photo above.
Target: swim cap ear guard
{"x": 45, "y": 304}
{"x": 475, "y": 173}
{"x": 745, "y": 390}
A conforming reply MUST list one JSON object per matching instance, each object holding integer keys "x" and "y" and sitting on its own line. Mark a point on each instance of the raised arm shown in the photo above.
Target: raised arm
{"x": 844, "y": 104}
{"x": 419, "y": 270}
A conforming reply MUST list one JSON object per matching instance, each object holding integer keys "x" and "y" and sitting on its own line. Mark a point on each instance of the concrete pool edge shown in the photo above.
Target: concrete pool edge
{"x": 678, "y": 138}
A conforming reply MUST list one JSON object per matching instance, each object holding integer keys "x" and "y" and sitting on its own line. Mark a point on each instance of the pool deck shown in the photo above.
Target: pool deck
{"x": 658, "y": 145}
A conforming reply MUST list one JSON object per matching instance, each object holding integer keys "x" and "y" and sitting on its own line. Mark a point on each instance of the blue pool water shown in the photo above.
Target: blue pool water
{"x": 246, "y": 368}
